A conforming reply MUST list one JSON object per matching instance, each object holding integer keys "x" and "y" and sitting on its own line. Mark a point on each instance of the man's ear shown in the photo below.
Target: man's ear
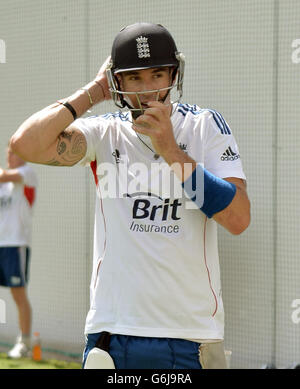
{"x": 173, "y": 73}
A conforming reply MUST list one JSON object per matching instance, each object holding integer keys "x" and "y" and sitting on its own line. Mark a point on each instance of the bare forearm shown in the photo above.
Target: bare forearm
{"x": 236, "y": 216}
{"x": 180, "y": 163}
{"x": 42, "y": 129}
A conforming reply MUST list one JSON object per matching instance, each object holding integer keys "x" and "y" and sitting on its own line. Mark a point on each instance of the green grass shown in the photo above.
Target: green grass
{"x": 28, "y": 363}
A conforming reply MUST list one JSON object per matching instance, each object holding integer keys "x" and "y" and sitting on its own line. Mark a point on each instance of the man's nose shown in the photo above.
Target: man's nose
{"x": 148, "y": 95}
{"x": 146, "y": 84}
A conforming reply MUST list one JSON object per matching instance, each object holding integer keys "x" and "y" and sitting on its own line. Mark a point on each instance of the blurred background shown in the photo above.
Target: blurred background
{"x": 242, "y": 59}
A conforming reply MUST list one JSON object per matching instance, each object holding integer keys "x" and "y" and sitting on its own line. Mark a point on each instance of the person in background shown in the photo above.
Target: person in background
{"x": 18, "y": 184}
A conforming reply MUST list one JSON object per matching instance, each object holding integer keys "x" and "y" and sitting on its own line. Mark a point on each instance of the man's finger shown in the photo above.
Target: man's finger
{"x": 142, "y": 129}
{"x": 158, "y": 104}
{"x": 104, "y": 66}
{"x": 150, "y": 112}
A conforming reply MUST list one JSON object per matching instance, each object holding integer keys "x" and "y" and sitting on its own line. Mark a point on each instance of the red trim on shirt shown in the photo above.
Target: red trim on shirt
{"x": 93, "y": 165}
{"x": 204, "y": 238}
{"x": 29, "y": 193}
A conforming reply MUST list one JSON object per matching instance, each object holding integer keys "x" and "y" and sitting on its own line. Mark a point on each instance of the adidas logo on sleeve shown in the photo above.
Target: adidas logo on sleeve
{"x": 229, "y": 155}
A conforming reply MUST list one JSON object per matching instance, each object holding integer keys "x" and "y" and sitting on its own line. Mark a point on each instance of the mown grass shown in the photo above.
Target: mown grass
{"x": 28, "y": 363}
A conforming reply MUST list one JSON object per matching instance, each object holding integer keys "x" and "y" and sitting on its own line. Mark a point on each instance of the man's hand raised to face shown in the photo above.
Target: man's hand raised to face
{"x": 156, "y": 123}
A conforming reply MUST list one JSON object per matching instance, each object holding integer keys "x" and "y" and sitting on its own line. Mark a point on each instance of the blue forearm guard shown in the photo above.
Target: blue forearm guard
{"x": 211, "y": 194}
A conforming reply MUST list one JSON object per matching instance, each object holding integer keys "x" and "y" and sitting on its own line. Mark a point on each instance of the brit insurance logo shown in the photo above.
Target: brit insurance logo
{"x": 2, "y": 51}
{"x": 229, "y": 155}
{"x": 153, "y": 214}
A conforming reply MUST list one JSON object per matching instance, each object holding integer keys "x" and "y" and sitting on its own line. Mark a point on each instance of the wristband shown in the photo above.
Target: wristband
{"x": 71, "y": 109}
{"x": 210, "y": 193}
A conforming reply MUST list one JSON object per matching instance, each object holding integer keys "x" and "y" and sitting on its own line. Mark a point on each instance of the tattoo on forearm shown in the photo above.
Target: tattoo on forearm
{"x": 53, "y": 162}
{"x": 67, "y": 135}
{"x": 69, "y": 147}
{"x": 78, "y": 145}
{"x": 61, "y": 147}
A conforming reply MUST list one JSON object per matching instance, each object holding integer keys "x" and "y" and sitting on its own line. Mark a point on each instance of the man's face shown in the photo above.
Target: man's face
{"x": 146, "y": 80}
{"x": 13, "y": 161}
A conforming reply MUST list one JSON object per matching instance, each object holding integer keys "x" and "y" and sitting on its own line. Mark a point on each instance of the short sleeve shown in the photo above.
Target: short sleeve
{"x": 222, "y": 157}
{"x": 29, "y": 175}
{"x": 93, "y": 128}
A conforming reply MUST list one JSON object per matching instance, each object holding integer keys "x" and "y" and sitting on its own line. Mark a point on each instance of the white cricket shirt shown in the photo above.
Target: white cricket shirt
{"x": 16, "y": 203}
{"x": 156, "y": 265}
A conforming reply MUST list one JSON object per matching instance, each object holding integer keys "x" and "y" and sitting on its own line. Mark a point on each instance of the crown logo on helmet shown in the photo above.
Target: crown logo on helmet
{"x": 143, "y": 49}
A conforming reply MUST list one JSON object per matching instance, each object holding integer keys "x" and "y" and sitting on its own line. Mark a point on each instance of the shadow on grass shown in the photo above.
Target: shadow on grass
{"x": 28, "y": 363}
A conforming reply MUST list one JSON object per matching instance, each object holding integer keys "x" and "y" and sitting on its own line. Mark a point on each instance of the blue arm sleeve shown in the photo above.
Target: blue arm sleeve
{"x": 211, "y": 193}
